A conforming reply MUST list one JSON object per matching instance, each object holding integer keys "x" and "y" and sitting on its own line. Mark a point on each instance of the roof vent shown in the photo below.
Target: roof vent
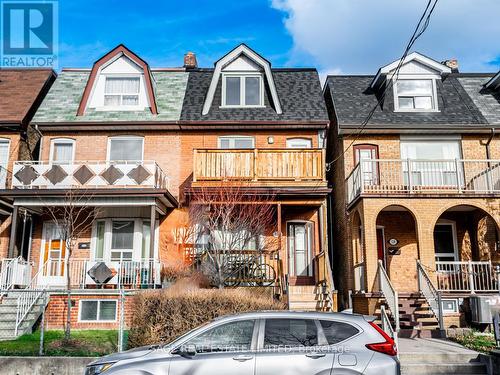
{"x": 190, "y": 61}
{"x": 452, "y": 64}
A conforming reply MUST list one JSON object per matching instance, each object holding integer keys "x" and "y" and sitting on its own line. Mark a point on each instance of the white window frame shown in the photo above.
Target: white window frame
{"x": 124, "y": 137}
{"x": 80, "y": 320}
{"x": 242, "y": 76}
{"x": 233, "y": 137}
{"x": 289, "y": 142}
{"x": 70, "y": 141}
{"x": 137, "y": 241}
{"x": 122, "y": 107}
{"x": 453, "y": 225}
{"x": 3, "y": 173}
{"x": 450, "y": 312}
{"x": 405, "y": 77}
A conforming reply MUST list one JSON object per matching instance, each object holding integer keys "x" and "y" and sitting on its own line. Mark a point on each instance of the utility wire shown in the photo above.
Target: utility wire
{"x": 422, "y": 25}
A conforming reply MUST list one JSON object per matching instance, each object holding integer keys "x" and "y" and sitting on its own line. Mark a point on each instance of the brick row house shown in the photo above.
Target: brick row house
{"x": 416, "y": 209}
{"x": 21, "y": 93}
{"x": 140, "y": 143}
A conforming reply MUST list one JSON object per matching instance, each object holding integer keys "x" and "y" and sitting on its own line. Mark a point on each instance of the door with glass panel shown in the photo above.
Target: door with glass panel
{"x": 432, "y": 163}
{"x": 121, "y": 252}
{"x": 53, "y": 255}
{"x": 300, "y": 258}
{"x": 237, "y": 164}
{"x": 445, "y": 242}
{"x": 365, "y": 155}
{"x": 4, "y": 160}
{"x": 223, "y": 350}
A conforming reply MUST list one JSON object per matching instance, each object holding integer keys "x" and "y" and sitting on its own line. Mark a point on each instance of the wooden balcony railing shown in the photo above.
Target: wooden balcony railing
{"x": 259, "y": 166}
{"x": 418, "y": 176}
{"x": 88, "y": 174}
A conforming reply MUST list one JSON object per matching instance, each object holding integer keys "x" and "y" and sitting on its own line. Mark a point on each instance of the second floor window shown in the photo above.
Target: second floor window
{"x": 244, "y": 90}
{"x": 298, "y": 143}
{"x": 121, "y": 91}
{"x": 62, "y": 151}
{"x": 236, "y": 142}
{"x": 125, "y": 149}
{"x": 415, "y": 94}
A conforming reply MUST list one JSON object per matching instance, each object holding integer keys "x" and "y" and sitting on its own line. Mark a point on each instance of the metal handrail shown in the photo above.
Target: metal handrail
{"x": 387, "y": 327}
{"x": 26, "y": 300}
{"x": 390, "y": 294}
{"x": 430, "y": 293}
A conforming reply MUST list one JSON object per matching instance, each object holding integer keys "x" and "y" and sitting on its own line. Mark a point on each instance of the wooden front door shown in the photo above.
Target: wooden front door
{"x": 300, "y": 258}
{"x": 54, "y": 255}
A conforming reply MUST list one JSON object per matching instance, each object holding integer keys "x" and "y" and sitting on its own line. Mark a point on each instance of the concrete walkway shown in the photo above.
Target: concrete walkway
{"x": 432, "y": 346}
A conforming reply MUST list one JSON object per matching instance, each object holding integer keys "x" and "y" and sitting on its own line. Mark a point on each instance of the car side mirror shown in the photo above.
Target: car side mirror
{"x": 185, "y": 351}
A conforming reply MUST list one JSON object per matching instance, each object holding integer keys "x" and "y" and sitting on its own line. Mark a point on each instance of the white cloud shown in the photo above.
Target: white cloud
{"x": 359, "y": 36}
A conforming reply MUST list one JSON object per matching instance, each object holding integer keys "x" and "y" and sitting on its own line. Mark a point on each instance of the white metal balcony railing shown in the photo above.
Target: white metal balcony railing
{"x": 467, "y": 277}
{"x": 398, "y": 176}
{"x": 144, "y": 273}
{"x": 88, "y": 174}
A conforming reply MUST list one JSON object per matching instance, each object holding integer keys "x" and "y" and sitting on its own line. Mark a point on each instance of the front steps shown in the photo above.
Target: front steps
{"x": 308, "y": 298}
{"x": 416, "y": 318}
{"x": 454, "y": 362}
{"x": 8, "y": 316}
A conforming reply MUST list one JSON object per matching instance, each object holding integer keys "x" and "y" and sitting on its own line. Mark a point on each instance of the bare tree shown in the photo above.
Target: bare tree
{"x": 73, "y": 218}
{"x": 228, "y": 219}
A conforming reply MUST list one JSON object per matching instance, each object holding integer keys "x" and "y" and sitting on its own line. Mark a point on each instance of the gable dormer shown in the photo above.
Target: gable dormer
{"x": 119, "y": 81}
{"x": 415, "y": 86}
{"x": 244, "y": 74}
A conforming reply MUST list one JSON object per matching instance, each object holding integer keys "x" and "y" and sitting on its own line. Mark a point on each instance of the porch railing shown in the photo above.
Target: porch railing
{"x": 387, "y": 326}
{"x": 88, "y": 174}
{"x": 466, "y": 277}
{"x": 430, "y": 293}
{"x": 144, "y": 273}
{"x": 259, "y": 165}
{"x": 14, "y": 272}
{"x": 390, "y": 294}
{"x": 419, "y": 176}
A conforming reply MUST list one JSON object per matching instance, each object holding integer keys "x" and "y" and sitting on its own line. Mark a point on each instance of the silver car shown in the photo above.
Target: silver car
{"x": 263, "y": 343}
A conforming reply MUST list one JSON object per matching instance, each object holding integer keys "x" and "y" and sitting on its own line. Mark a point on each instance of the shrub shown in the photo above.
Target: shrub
{"x": 163, "y": 315}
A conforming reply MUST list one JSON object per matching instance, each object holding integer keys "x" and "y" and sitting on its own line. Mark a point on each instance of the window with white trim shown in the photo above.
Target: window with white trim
{"x": 415, "y": 95}
{"x": 299, "y": 143}
{"x": 62, "y": 151}
{"x": 242, "y": 90}
{"x": 103, "y": 310}
{"x": 236, "y": 142}
{"x": 126, "y": 148}
{"x": 121, "y": 91}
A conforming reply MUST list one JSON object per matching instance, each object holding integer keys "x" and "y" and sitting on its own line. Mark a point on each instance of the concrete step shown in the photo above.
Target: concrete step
{"x": 443, "y": 368}
{"x": 420, "y": 333}
{"x": 430, "y": 358}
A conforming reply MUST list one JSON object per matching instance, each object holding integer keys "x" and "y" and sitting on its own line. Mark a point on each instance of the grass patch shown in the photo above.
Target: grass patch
{"x": 83, "y": 343}
{"x": 478, "y": 342}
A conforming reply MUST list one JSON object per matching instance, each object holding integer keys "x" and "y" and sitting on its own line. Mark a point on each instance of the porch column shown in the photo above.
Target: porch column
{"x": 370, "y": 254}
{"x": 152, "y": 222}
{"x": 13, "y": 231}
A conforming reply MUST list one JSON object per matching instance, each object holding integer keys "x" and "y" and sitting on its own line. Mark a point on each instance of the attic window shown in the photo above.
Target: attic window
{"x": 242, "y": 90}
{"x": 121, "y": 91}
{"x": 415, "y": 95}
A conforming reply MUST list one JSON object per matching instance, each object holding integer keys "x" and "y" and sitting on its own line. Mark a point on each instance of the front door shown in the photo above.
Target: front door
{"x": 445, "y": 242}
{"x": 381, "y": 245}
{"x": 300, "y": 252}
{"x": 53, "y": 256}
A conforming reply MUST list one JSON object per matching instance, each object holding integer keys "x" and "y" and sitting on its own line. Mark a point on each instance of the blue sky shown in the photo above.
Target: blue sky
{"x": 336, "y": 36}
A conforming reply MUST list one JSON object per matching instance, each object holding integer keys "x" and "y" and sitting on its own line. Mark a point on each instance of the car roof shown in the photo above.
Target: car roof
{"x": 293, "y": 314}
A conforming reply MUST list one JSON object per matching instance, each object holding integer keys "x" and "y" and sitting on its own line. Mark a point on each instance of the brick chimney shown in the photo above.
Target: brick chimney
{"x": 452, "y": 64}
{"x": 190, "y": 61}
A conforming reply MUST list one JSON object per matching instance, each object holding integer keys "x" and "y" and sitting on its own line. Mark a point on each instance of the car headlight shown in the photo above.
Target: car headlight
{"x": 98, "y": 369}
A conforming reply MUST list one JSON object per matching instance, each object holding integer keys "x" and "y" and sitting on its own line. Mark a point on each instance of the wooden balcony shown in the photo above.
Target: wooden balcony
{"x": 423, "y": 177}
{"x": 259, "y": 167}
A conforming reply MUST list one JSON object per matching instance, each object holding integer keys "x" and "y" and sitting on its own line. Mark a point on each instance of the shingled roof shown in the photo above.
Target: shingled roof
{"x": 353, "y": 100}
{"x": 21, "y": 91}
{"x": 486, "y": 99}
{"x": 298, "y": 89}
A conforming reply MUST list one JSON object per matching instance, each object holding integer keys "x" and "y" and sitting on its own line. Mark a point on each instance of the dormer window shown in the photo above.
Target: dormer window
{"x": 242, "y": 90}
{"x": 415, "y": 95}
{"x": 121, "y": 91}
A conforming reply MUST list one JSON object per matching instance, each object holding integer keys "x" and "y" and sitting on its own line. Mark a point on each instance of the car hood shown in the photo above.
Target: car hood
{"x": 129, "y": 354}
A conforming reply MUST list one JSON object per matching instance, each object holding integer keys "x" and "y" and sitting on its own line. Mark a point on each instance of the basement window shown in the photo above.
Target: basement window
{"x": 97, "y": 310}
{"x": 450, "y": 306}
